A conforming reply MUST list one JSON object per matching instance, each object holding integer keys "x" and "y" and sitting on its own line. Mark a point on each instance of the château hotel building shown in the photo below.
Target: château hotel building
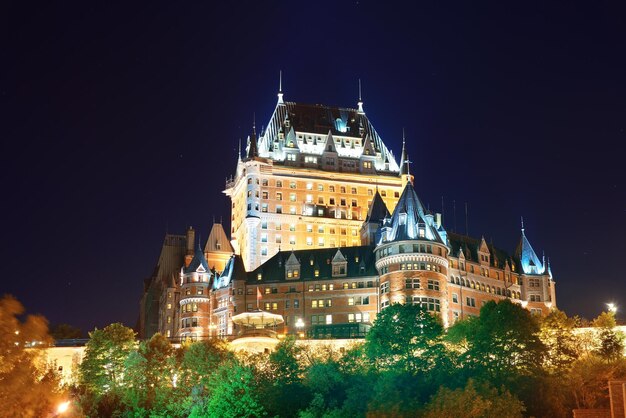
{"x": 327, "y": 230}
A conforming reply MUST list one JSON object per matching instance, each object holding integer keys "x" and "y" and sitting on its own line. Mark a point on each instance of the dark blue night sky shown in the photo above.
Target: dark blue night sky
{"x": 120, "y": 122}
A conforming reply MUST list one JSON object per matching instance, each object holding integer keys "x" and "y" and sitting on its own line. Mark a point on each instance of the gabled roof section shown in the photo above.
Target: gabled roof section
{"x": 218, "y": 241}
{"x": 528, "y": 258}
{"x": 360, "y": 263}
{"x": 339, "y": 258}
{"x": 233, "y": 270}
{"x": 469, "y": 247}
{"x": 292, "y": 260}
{"x": 198, "y": 262}
{"x": 323, "y": 120}
{"x": 408, "y": 219}
{"x": 378, "y": 210}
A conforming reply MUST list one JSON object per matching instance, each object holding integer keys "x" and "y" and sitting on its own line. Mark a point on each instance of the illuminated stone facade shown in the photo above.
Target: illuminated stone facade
{"x": 327, "y": 230}
{"x": 308, "y": 181}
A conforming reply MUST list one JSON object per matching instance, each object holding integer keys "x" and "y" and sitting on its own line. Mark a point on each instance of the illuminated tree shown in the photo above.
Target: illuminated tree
{"x": 102, "y": 368}
{"x": 557, "y": 334}
{"x": 503, "y": 343}
{"x": 588, "y": 380}
{"x": 406, "y": 338}
{"x": 281, "y": 389}
{"x": 199, "y": 362}
{"x": 611, "y": 345}
{"x": 149, "y": 375}
{"x": 28, "y": 387}
{"x": 233, "y": 394}
{"x": 473, "y": 402}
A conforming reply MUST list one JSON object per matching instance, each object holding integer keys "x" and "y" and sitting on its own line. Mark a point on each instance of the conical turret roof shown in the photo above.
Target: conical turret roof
{"x": 409, "y": 220}
{"x": 378, "y": 210}
{"x": 528, "y": 258}
{"x": 197, "y": 261}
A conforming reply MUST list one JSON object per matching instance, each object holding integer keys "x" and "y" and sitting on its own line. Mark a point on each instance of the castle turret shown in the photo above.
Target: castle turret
{"x": 536, "y": 281}
{"x": 411, "y": 258}
{"x": 376, "y": 214}
{"x": 195, "y": 309}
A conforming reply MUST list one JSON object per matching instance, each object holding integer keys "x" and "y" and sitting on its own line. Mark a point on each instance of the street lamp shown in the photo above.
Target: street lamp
{"x": 611, "y": 307}
{"x": 63, "y": 407}
{"x": 300, "y": 326}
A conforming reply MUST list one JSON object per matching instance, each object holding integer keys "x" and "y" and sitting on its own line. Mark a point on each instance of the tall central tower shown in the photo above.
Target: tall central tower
{"x": 308, "y": 180}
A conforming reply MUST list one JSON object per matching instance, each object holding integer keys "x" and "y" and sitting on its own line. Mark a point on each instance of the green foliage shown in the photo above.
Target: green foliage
{"x": 588, "y": 380}
{"x": 281, "y": 389}
{"x": 557, "y": 335}
{"x": 199, "y": 362}
{"x": 473, "y": 402}
{"x": 611, "y": 343}
{"x": 149, "y": 375}
{"x": 102, "y": 368}
{"x": 28, "y": 387}
{"x": 233, "y": 394}
{"x": 406, "y": 367}
{"x": 405, "y": 337}
{"x": 503, "y": 343}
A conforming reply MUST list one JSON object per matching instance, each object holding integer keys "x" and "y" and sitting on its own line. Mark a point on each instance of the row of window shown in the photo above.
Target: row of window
{"x": 421, "y": 266}
{"x": 189, "y": 307}
{"x": 430, "y": 304}
{"x": 483, "y": 271}
{"x": 321, "y": 200}
{"x": 320, "y": 187}
{"x": 415, "y": 283}
{"x": 409, "y": 249}
{"x": 321, "y": 229}
{"x": 485, "y": 288}
{"x": 189, "y": 322}
{"x": 197, "y": 278}
{"x": 312, "y": 287}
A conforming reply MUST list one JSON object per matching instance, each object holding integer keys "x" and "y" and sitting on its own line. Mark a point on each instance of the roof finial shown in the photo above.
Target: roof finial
{"x": 239, "y": 151}
{"x": 404, "y": 166}
{"x": 408, "y": 165}
{"x": 280, "y": 87}
{"x": 253, "y": 150}
{"x": 522, "y": 218}
{"x": 360, "y": 102}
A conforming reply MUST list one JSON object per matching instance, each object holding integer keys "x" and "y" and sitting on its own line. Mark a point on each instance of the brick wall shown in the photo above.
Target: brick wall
{"x": 592, "y": 413}
{"x": 616, "y": 393}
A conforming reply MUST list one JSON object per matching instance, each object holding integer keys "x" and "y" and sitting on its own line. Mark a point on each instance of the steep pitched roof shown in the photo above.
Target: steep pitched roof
{"x": 377, "y": 211}
{"x": 322, "y": 120}
{"x": 470, "y": 246}
{"x": 197, "y": 261}
{"x": 408, "y": 217}
{"x": 273, "y": 270}
{"x": 528, "y": 258}
{"x": 218, "y": 241}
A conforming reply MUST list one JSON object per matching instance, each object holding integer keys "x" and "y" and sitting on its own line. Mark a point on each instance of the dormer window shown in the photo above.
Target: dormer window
{"x": 421, "y": 232}
{"x": 402, "y": 219}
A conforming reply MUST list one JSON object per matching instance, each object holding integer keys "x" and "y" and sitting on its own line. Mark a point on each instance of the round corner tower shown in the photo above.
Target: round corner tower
{"x": 412, "y": 258}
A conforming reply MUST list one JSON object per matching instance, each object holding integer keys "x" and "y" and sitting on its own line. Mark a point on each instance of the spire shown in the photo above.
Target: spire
{"x": 522, "y": 219}
{"x": 239, "y": 151}
{"x": 528, "y": 258}
{"x": 378, "y": 210}
{"x": 360, "y": 102}
{"x": 280, "y": 87}
{"x": 409, "y": 220}
{"x": 404, "y": 159}
{"x": 253, "y": 151}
